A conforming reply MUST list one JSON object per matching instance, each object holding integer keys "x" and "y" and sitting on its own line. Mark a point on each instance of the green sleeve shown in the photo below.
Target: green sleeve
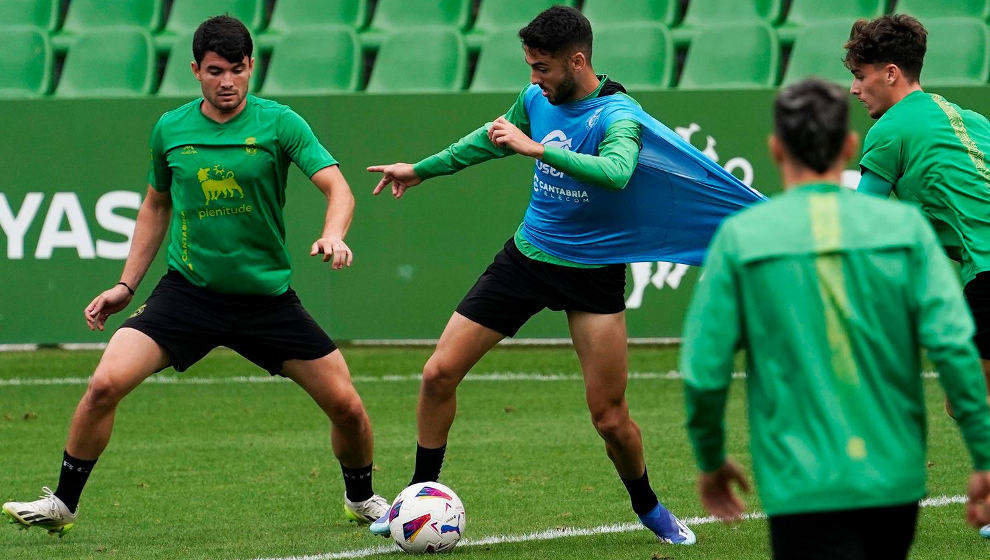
{"x": 946, "y": 331}
{"x": 303, "y": 148}
{"x": 473, "y": 148}
{"x": 882, "y": 152}
{"x": 614, "y": 164}
{"x": 871, "y": 183}
{"x": 159, "y": 175}
{"x": 712, "y": 333}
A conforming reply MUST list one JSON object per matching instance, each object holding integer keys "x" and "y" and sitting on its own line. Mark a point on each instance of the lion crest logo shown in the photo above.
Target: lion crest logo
{"x": 218, "y": 182}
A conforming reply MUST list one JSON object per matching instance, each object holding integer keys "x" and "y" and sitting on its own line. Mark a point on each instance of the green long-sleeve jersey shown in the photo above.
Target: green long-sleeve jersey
{"x": 618, "y": 153}
{"x": 831, "y": 305}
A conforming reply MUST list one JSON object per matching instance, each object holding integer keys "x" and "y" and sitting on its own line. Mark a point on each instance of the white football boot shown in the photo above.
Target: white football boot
{"x": 380, "y": 526}
{"x": 48, "y": 512}
{"x": 367, "y": 511}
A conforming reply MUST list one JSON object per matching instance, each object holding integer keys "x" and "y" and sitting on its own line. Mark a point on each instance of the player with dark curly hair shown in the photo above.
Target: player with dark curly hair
{"x": 928, "y": 151}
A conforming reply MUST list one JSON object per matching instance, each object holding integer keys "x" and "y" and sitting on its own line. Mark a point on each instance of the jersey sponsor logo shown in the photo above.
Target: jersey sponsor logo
{"x": 594, "y": 118}
{"x": 184, "y": 242}
{"x": 218, "y": 182}
{"x": 555, "y": 139}
{"x": 553, "y": 191}
{"x": 188, "y": 151}
{"x": 250, "y": 142}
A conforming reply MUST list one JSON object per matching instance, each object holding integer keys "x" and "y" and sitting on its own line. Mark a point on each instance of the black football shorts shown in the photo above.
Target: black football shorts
{"x": 189, "y": 321}
{"x": 515, "y": 287}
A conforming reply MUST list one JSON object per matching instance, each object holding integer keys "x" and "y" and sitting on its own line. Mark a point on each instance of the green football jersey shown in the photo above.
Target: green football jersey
{"x": 830, "y": 294}
{"x": 934, "y": 153}
{"x": 227, "y": 183}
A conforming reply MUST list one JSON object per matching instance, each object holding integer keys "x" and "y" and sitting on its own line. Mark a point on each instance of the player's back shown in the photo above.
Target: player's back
{"x": 825, "y": 280}
{"x": 934, "y": 153}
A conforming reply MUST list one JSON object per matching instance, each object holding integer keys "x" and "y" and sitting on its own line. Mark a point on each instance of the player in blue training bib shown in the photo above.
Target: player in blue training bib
{"x": 611, "y": 185}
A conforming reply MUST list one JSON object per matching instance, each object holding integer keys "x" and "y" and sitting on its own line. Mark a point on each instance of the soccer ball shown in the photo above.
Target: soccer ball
{"x": 426, "y": 517}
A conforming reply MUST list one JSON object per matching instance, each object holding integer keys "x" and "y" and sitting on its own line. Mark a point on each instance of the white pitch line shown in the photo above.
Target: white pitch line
{"x": 565, "y": 532}
{"x": 248, "y": 379}
{"x": 413, "y": 342}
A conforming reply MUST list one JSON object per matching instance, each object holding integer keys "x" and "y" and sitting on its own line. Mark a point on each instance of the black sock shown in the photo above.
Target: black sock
{"x": 357, "y": 483}
{"x": 74, "y": 474}
{"x": 428, "y": 464}
{"x": 642, "y": 496}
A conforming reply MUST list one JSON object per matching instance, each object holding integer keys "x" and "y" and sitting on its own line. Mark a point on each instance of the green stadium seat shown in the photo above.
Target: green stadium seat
{"x": 84, "y": 15}
{"x": 113, "y": 62}
{"x": 187, "y": 15}
{"x": 291, "y": 14}
{"x": 708, "y": 12}
{"x": 607, "y": 12}
{"x": 178, "y": 79}
{"x": 958, "y": 53}
{"x": 43, "y": 14}
{"x": 87, "y": 15}
{"x": 295, "y": 14}
{"x": 812, "y": 12}
{"x": 703, "y": 13}
{"x": 25, "y": 62}
{"x": 923, "y": 9}
{"x": 818, "y": 51}
{"x": 315, "y": 60}
{"x": 403, "y": 15}
{"x": 420, "y": 60}
{"x": 501, "y": 64}
{"x": 494, "y": 15}
{"x": 733, "y": 55}
{"x": 637, "y": 55}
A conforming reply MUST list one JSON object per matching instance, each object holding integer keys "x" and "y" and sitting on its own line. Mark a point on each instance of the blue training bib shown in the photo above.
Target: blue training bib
{"x": 668, "y": 211}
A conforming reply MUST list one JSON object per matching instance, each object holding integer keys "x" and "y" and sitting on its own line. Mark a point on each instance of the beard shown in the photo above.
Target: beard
{"x": 223, "y": 105}
{"x": 565, "y": 91}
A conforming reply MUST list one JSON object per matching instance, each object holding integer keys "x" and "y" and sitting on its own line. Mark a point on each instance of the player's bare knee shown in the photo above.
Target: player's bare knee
{"x": 610, "y": 422}
{"x": 348, "y": 413}
{"x": 102, "y": 392}
{"x": 438, "y": 378}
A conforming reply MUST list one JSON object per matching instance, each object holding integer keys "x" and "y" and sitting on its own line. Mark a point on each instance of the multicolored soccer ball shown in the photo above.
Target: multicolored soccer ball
{"x": 426, "y": 518}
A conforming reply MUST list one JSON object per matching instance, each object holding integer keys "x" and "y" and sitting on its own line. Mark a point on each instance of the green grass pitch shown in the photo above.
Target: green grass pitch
{"x": 236, "y": 469}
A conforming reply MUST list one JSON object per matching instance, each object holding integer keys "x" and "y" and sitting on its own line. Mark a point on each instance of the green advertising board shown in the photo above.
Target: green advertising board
{"x": 73, "y": 174}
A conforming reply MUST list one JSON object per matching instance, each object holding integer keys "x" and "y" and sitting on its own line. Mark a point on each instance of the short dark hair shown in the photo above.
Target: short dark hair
{"x": 225, "y": 36}
{"x": 897, "y": 39}
{"x": 558, "y": 30}
{"x": 811, "y": 118}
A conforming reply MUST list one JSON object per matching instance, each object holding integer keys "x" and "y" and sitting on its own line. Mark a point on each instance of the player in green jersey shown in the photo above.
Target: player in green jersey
{"x": 928, "y": 151}
{"x": 218, "y": 175}
{"x": 830, "y": 306}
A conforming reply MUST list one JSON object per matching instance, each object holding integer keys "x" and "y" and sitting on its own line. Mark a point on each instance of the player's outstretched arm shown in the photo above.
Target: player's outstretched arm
{"x": 152, "y": 223}
{"x": 400, "y": 175}
{"x": 340, "y": 212}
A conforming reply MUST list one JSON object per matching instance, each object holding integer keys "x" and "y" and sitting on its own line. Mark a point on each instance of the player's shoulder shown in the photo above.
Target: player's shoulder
{"x": 181, "y": 112}
{"x": 912, "y": 116}
{"x": 270, "y": 106}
